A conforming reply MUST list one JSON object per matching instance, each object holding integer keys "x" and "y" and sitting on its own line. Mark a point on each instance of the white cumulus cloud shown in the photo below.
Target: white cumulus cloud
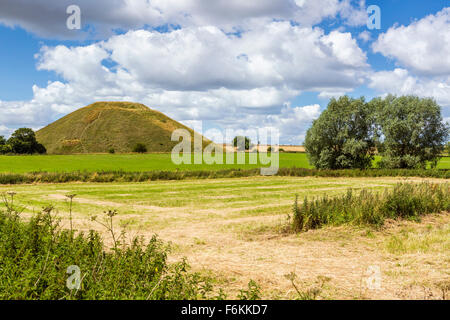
{"x": 401, "y": 82}
{"x": 101, "y": 17}
{"x": 423, "y": 46}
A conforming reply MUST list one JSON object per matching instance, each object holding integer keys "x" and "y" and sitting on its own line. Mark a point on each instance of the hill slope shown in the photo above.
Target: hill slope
{"x": 104, "y": 125}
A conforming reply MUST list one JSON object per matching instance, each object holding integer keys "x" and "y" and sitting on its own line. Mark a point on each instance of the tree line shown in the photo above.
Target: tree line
{"x": 22, "y": 141}
{"x": 407, "y": 131}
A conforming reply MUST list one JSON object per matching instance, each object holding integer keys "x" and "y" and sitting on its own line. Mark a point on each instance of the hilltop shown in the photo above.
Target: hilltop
{"x": 102, "y": 126}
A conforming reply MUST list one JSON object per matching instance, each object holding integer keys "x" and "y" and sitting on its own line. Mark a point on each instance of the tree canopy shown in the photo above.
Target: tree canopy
{"x": 342, "y": 137}
{"x": 412, "y": 131}
{"x": 23, "y": 141}
{"x": 407, "y": 131}
{"x": 242, "y": 142}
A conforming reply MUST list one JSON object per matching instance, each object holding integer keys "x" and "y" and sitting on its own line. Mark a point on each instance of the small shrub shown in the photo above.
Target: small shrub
{"x": 140, "y": 148}
{"x": 111, "y": 150}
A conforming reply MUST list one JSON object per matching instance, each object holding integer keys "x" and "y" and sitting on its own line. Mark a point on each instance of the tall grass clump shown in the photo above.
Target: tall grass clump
{"x": 36, "y": 254}
{"x": 405, "y": 200}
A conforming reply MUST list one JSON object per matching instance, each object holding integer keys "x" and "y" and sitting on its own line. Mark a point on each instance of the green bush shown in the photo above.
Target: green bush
{"x": 111, "y": 150}
{"x": 405, "y": 200}
{"x": 140, "y": 148}
{"x": 5, "y": 149}
{"x": 35, "y": 256}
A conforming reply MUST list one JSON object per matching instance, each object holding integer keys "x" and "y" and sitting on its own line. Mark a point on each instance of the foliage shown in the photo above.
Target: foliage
{"x": 407, "y": 131}
{"x": 36, "y": 255}
{"x": 140, "y": 148}
{"x": 241, "y": 142}
{"x": 341, "y": 138}
{"x": 4, "y": 148}
{"x": 252, "y": 293}
{"x": 23, "y": 141}
{"x": 125, "y": 176}
{"x": 111, "y": 150}
{"x": 406, "y": 200}
{"x": 412, "y": 130}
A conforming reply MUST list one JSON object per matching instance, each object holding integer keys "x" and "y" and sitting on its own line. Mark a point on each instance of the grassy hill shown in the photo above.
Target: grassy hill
{"x": 105, "y": 125}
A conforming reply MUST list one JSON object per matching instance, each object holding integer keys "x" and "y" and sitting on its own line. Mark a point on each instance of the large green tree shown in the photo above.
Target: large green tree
{"x": 23, "y": 141}
{"x": 4, "y": 148}
{"x": 412, "y": 131}
{"x": 342, "y": 137}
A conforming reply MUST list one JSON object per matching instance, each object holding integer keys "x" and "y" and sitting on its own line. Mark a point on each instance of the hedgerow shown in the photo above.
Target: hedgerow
{"x": 125, "y": 176}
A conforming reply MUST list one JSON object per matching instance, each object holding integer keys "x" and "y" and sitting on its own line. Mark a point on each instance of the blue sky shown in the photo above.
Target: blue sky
{"x": 273, "y": 63}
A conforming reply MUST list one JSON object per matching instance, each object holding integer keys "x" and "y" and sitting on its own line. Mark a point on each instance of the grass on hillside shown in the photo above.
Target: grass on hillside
{"x": 102, "y": 126}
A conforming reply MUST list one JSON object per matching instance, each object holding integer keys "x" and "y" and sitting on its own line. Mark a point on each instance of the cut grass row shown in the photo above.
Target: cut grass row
{"x": 187, "y": 201}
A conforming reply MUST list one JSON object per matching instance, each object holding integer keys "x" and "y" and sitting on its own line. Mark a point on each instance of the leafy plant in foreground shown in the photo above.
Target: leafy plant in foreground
{"x": 35, "y": 256}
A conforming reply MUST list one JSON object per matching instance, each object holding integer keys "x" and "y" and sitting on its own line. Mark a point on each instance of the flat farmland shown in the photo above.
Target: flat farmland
{"x": 139, "y": 162}
{"x": 233, "y": 229}
{"x": 127, "y": 162}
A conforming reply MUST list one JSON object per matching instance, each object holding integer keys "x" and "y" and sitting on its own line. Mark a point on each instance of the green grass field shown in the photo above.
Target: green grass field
{"x": 136, "y": 162}
{"x": 125, "y": 162}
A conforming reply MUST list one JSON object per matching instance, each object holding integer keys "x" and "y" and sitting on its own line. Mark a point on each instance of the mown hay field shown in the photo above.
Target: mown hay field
{"x": 234, "y": 230}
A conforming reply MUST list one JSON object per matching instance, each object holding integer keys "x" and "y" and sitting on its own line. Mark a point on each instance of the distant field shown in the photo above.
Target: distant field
{"x": 136, "y": 162}
{"x": 125, "y": 162}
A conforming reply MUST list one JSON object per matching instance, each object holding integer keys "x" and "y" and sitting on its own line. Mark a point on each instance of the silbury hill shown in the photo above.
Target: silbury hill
{"x": 106, "y": 126}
